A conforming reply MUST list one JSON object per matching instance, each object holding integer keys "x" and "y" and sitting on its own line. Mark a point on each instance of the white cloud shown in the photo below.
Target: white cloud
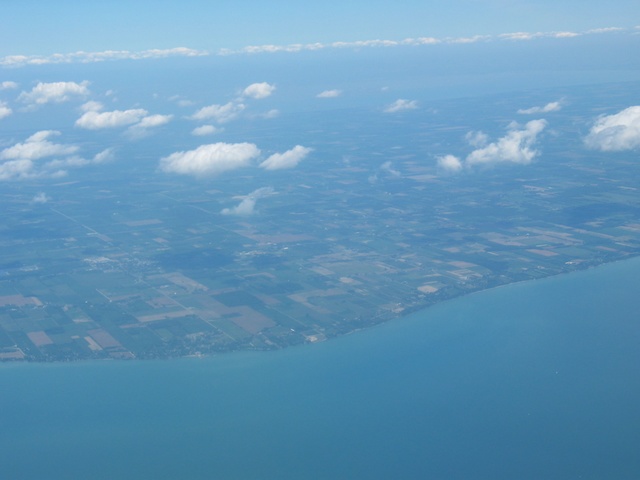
{"x": 27, "y": 159}
{"x": 210, "y": 159}
{"x": 514, "y": 147}
{"x": 95, "y": 120}
{"x": 4, "y": 110}
{"x": 449, "y": 164}
{"x": 620, "y": 131}
{"x": 37, "y": 146}
{"x": 329, "y": 94}
{"x": 476, "y": 139}
{"x": 40, "y": 198}
{"x": 401, "y": 105}
{"x": 205, "y": 130}
{"x": 144, "y": 126}
{"x": 288, "y": 159}
{"x": 247, "y": 204}
{"x": 259, "y": 90}
{"x": 55, "y": 92}
{"x": 8, "y": 85}
{"x": 549, "y": 107}
{"x": 388, "y": 168}
{"x": 91, "y": 106}
{"x": 219, "y": 113}
{"x": 91, "y": 57}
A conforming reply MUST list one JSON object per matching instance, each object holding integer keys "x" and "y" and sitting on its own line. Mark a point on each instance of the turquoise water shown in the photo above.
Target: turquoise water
{"x": 535, "y": 380}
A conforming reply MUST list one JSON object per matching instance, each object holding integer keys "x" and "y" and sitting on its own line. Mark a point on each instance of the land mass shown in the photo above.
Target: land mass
{"x": 110, "y": 267}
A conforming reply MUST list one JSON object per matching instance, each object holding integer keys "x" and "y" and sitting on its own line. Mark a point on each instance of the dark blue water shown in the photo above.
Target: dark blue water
{"x": 536, "y": 380}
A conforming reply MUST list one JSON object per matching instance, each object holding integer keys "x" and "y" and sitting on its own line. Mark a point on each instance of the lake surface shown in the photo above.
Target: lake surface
{"x": 533, "y": 380}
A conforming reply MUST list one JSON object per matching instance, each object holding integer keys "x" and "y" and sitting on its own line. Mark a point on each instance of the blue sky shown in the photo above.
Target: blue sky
{"x": 32, "y": 27}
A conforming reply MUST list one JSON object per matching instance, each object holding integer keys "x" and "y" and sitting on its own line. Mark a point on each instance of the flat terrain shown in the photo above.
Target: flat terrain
{"x": 120, "y": 265}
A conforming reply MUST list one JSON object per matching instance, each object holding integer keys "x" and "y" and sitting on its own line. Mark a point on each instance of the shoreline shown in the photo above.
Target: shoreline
{"x": 404, "y": 314}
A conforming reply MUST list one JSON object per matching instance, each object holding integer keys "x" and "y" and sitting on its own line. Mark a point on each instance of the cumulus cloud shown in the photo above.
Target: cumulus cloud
{"x": 288, "y": 159}
{"x": 210, "y": 159}
{"x": 96, "y": 120}
{"x": 549, "y": 107}
{"x": 55, "y": 92}
{"x": 449, "y": 164}
{"x": 203, "y": 130}
{"x": 401, "y": 105}
{"x": 219, "y": 113}
{"x": 620, "y": 131}
{"x": 39, "y": 157}
{"x": 5, "y": 111}
{"x": 37, "y": 146}
{"x": 91, "y": 106}
{"x": 329, "y": 94}
{"x": 91, "y": 57}
{"x": 514, "y": 147}
{"x": 247, "y": 204}
{"x": 143, "y": 127}
{"x": 8, "y": 85}
{"x": 259, "y": 90}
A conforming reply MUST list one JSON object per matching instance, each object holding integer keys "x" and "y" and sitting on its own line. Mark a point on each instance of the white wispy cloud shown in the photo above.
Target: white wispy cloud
{"x": 401, "y": 105}
{"x": 219, "y": 113}
{"x": 205, "y": 130}
{"x": 92, "y": 57}
{"x": 329, "y": 94}
{"x": 8, "y": 85}
{"x": 549, "y": 107}
{"x": 146, "y": 124}
{"x": 387, "y": 167}
{"x": 54, "y": 92}
{"x": 248, "y": 203}
{"x": 40, "y": 198}
{"x": 39, "y": 157}
{"x": 259, "y": 90}
{"x": 5, "y": 111}
{"x": 210, "y": 159}
{"x": 620, "y": 131}
{"x": 96, "y": 120}
{"x": 288, "y": 159}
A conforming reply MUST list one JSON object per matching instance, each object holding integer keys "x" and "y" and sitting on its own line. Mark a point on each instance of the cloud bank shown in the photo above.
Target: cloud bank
{"x": 288, "y": 159}
{"x": 617, "y": 132}
{"x": 110, "y": 55}
{"x": 92, "y": 57}
{"x": 210, "y": 159}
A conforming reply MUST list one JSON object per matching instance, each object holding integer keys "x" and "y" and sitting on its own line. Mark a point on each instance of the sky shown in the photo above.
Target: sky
{"x": 37, "y": 27}
{"x": 122, "y": 72}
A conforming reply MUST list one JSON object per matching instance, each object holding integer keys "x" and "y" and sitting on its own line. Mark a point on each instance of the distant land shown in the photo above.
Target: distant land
{"x": 125, "y": 262}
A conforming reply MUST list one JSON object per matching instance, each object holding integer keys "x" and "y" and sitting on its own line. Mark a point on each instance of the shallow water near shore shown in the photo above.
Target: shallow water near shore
{"x": 532, "y": 380}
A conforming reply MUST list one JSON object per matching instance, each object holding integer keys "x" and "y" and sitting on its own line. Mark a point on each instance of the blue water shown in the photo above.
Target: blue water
{"x": 537, "y": 380}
